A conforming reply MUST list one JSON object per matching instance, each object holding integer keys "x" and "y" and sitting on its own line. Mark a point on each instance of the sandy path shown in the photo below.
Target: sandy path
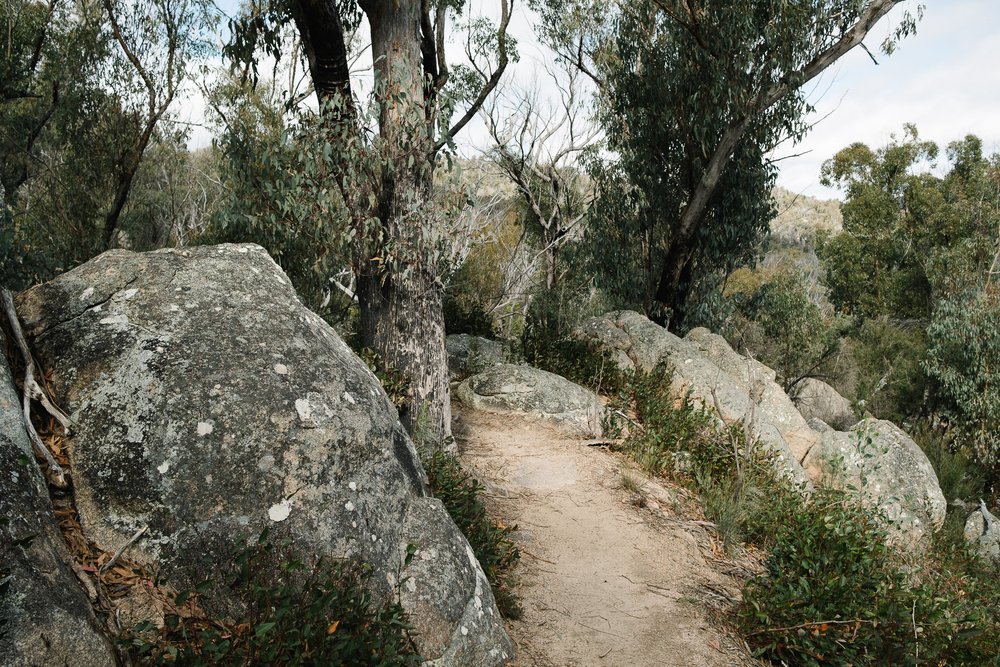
{"x": 601, "y": 581}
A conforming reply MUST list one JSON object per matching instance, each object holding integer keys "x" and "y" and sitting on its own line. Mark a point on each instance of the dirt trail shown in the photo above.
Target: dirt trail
{"x": 602, "y": 581}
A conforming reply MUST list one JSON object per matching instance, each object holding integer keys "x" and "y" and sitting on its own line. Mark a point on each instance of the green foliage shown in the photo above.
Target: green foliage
{"x": 490, "y": 540}
{"x": 782, "y": 327}
{"x": 958, "y": 475}
{"x": 659, "y": 83}
{"x": 886, "y": 356}
{"x": 295, "y": 614}
{"x": 834, "y": 593}
{"x": 963, "y": 356}
{"x": 877, "y": 266}
{"x": 547, "y": 343}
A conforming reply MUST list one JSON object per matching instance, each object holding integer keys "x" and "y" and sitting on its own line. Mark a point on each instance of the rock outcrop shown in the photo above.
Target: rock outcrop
{"x": 982, "y": 533}
{"x": 741, "y": 390}
{"x": 816, "y": 399}
{"x": 876, "y": 457}
{"x": 537, "y": 394}
{"x": 890, "y": 471}
{"x": 211, "y": 405}
{"x": 468, "y": 355}
{"x": 45, "y": 617}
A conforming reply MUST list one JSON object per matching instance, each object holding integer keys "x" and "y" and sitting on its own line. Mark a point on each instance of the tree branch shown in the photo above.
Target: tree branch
{"x": 491, "y": 83}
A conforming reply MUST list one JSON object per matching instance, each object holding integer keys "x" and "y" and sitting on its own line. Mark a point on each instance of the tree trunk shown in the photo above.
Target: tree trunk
{"x": 401, "y": 305}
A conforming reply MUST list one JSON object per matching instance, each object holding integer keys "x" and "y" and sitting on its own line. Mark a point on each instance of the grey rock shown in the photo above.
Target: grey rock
{"x": 982, "y": 533}
{"x": 212, "y": 404}
{"x": 816, "y": 399}
{"x": 538, "y": 394}
{"x": 468, "y": 355}
{"x": 45, "y": 617}
{"x": 819, "y": 425}
{"x": 705, "y": 366}
{"x": 889, "y": 470}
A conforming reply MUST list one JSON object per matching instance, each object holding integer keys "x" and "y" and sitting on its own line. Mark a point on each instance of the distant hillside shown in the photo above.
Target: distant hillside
{"x": 800, "y": 217}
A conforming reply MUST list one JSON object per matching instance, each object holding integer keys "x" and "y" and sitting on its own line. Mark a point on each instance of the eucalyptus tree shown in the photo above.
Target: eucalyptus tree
{"x": 380, "y": 154}
{"x": 728, "y": 81}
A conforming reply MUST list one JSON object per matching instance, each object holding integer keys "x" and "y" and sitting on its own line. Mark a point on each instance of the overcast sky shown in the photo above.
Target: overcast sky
{"x": 945, "y": 79}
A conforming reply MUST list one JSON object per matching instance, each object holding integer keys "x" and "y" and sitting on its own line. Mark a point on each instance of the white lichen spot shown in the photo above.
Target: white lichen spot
{"x": 115, "y": 319}
{"x": 411, "y": 585}
{"x": 303, "y": 408}
{"x": 349, "y": 398}
{"x": 374, "y": 539}
{"x": 87, "y": 293}
{"x": 174, "y": 308}
{"x": 208, "y": 479}
{"x": 349, "y": 506}
{"x": 129, "y": 293}
{"x": 281, "y": 369}
{"x": 354, "y": 524}
{"x": 280, "y": 511}
{"x": 204, "y": 428}
{"x": 243, "y": 250}
{"x": 159, "y": 348}
{"x": 352, "y": 486}
{"x": 265, "y": 463}
{"x": 163, "y": 467}
{"x": 465, "y": 630}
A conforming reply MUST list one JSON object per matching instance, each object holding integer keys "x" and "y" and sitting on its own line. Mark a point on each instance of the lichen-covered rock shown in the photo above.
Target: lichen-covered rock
{"x": 45, "y": 617}
{"x": 890, "y": 471}
{"x": 706, "y": 367}
{"x": 982, "y": 533}
{"x": 508, "y": 388}
{"x": 816, "y": 399}
{"x": 468, "y": 355}
{"x": 211, "y": 405}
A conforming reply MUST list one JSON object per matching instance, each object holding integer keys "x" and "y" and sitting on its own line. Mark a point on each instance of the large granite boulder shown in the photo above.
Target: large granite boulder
{"x": 45, "y": 617}
{"x": 212, "y": 405}
{"x": 468, "y": 355}
{"x": 740, "y": 390}
{"x": 537, "y": 394}
{"x": 816, "y": 399}
{"x": 889, "y": 470}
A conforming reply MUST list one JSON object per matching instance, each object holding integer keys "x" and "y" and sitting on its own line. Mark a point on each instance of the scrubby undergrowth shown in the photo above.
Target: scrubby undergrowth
{"x": 832, "y": 592}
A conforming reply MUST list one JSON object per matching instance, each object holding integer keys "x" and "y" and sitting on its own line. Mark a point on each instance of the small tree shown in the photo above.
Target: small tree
{"x": 538, "y": 147}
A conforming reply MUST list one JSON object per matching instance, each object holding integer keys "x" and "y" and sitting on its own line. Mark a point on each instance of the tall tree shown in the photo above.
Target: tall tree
{"x": 386, "y": 177}
{"x": 733, "y": 74}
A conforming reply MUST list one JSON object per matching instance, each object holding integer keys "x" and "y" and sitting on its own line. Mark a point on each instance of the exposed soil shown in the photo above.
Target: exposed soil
{"x": 608, "y": 575}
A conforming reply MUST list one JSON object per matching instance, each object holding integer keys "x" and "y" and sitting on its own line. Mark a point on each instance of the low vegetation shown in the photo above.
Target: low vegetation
{"x": 832, "y": 590}
{"x": 295, "y": 613}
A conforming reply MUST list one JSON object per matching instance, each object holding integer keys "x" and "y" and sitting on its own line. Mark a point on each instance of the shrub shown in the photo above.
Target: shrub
{"x": 490, "y": 540}
{"x": 835, "y": 593}
{"x": 295, "y": 614}
{"x": 547, "y": 343}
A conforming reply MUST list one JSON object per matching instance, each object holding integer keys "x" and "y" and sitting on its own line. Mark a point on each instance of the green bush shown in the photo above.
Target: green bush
{"x": 546, "y": 343}
{"x": 740, "y": 491}
{"x": 835, "y": 593}
{"x": 296, "y": 614}
{"x": 490, "y": 540}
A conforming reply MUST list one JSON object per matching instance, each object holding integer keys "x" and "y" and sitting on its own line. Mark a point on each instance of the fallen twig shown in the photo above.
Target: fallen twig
{"x": 812, "y": 624}
{"x": 139, "y": 533}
